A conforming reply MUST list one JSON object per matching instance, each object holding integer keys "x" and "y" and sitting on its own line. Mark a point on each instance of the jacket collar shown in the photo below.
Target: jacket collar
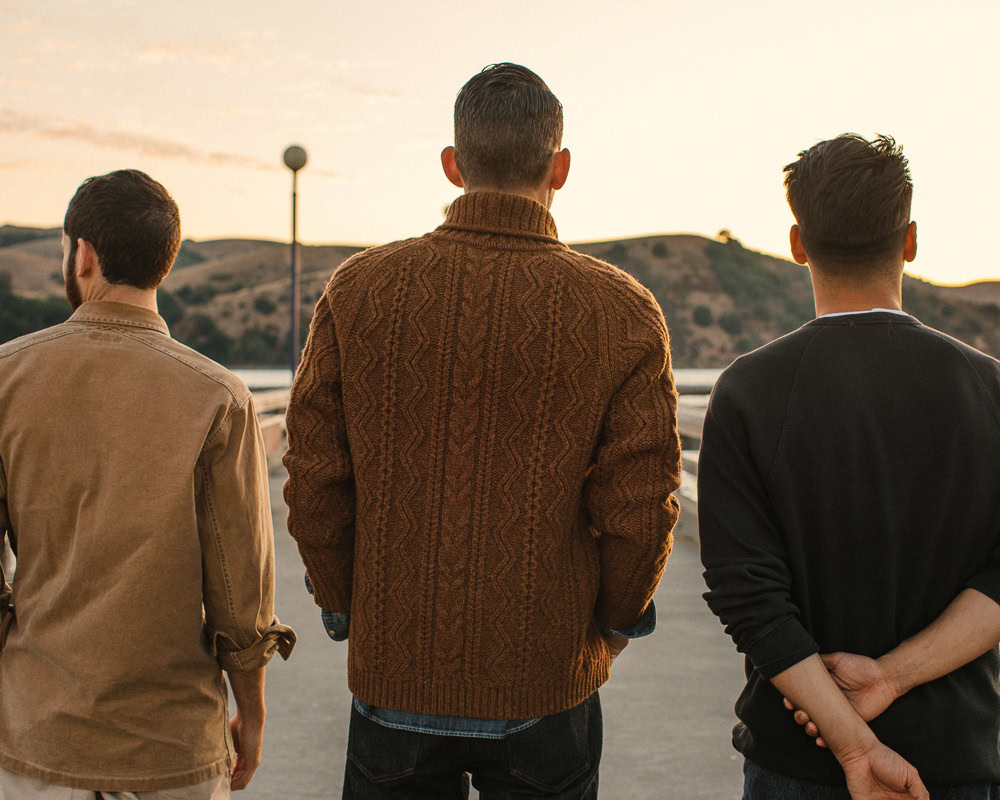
{"x": 108, "y": 312}
{"x": 499, "y": 213}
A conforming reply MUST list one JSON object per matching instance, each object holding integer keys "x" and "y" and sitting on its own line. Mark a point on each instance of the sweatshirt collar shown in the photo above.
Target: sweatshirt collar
{"x": 500, "y": 213}
{"x": 876, "y": 315}
{"x": 108, "y": 312}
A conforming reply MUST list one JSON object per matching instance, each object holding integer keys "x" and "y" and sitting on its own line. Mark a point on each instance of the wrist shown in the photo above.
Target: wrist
{"x": 252, "y": 716}
{"x": 894, "y": 673}
{"x": 853, "y": 745}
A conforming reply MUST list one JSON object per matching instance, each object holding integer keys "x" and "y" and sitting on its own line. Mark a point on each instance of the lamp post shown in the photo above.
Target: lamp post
{"x": 295, "y": 158}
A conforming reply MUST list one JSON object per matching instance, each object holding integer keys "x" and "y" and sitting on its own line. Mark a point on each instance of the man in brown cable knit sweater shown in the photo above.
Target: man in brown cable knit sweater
{"x": 482, "y": 447}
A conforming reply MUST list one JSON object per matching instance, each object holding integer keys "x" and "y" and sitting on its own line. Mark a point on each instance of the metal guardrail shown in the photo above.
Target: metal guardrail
{"x": 270, "y": 406}
{"x": 691, "y": 415}
{"x": 271, "y": 401}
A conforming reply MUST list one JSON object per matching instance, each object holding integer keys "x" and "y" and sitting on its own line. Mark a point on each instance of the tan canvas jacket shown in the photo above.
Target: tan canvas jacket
{"x": 133, "y": 488}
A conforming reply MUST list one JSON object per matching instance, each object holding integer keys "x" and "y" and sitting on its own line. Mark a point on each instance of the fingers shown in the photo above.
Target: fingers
{"x": 242, "y": 773}
{"x": 236, "y": 779}
{"x": 915, "y": 787}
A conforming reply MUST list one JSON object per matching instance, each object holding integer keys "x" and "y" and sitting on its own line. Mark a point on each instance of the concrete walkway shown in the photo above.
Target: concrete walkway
{"x": 667, "y": 708}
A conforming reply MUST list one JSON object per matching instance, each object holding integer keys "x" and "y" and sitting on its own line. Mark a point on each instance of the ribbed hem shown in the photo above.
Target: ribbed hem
{"x": 330, "y": 572}
{"x": 471, "y": 699}
{"x": 97, "y": 782}
{"x": 495, "y": 212}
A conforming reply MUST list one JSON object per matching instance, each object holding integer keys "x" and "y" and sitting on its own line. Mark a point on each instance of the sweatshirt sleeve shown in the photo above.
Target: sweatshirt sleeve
{"x": 742, "y": 550}
{"x": 319, "y": 491}
{"x": 628, "y": 492}
{"x": 987, "y": 580}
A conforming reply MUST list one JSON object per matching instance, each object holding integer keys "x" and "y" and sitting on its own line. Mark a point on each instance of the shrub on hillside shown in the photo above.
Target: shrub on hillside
{"x": 702, "y": 315}
{"x": 731, "y": 323}
{"x": 741, "y": 274}
{"x": 616, "y": 254}
{"x": 196, "y": 295}
{"x": 171, "y": 311}
{"x": 258, "y": 348}
{"x": 264, "y": 305}
{"x": 200, "y": 332}
{"x": 660, "y": 250}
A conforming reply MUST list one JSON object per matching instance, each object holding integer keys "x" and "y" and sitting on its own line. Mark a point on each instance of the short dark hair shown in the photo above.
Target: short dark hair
{"x": 851, "y": 198}
{"x": 132, "y": 223}
{"x": 507, "y": 126}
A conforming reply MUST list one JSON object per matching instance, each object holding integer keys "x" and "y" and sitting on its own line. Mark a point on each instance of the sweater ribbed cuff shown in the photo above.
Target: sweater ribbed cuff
{"x": 784, "y": 646}
{"x": 329, "y": 570}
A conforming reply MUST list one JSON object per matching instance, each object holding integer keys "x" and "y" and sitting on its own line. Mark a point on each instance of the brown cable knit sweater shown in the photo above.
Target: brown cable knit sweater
{"x": 482, "y": 447}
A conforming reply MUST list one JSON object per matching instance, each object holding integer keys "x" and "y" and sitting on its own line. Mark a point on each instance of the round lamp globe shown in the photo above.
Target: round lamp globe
{"x": 295, "y": 157}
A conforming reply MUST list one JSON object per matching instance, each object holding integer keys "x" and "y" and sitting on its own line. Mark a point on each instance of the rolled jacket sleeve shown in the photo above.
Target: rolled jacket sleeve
{"x": 237, "y": 545}
{"x": 745, "y": 559}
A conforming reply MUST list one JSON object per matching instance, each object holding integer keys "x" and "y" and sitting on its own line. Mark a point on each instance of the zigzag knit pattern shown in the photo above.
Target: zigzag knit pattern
{"x": 482, "y": 454}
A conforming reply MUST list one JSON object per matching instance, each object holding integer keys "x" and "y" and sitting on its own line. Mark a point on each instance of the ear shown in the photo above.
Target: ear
{"x": 560, "y": 168}
{"x": 85, "y": 264}
{"x": 910, "y": 244}
{"x": 798, "y": 251}
{"x": 450, "y": 166}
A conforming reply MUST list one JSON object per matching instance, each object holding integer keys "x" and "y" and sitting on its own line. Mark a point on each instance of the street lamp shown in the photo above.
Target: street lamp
{"x": 295, "y": 158}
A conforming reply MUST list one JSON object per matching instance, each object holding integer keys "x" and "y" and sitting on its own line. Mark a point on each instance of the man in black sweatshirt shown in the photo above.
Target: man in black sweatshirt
{"x": 849, "y": 500}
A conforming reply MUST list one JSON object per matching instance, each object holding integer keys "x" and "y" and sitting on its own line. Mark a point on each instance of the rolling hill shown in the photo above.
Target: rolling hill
{"x": 229, "y": 297}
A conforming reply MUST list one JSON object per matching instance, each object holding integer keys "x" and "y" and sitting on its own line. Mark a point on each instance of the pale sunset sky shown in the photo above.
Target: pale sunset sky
{"x": 679, "y": 115}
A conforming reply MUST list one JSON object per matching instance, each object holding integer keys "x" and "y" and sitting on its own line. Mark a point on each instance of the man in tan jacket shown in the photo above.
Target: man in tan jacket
{"x": 133, "y": 490}
{"x": 482, "y": 450}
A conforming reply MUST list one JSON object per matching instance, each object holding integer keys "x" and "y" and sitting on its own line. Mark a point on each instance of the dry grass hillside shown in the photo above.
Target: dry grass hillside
{"x": 981, "y": 292}
{"x": 229, "y": 298}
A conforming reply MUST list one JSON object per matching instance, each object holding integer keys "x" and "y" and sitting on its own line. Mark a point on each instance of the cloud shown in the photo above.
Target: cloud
{"x": 51, "y": 127}
{"x": 246, "y": 51}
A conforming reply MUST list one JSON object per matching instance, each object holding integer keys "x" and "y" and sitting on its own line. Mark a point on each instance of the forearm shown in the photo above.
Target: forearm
{"x": 248, "y": 691}
{"x": 967, "y": 628}
{"x": 809, "y": 686}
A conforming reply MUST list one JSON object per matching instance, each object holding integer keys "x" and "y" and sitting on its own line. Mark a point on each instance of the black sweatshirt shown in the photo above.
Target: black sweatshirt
{"x": 848, "y": 490}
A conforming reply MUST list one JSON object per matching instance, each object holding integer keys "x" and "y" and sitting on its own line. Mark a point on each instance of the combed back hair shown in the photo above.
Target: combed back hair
{"x": 851, "y": 199}
{"x": 132, "y": 223}
{"x": 507, "y": 126}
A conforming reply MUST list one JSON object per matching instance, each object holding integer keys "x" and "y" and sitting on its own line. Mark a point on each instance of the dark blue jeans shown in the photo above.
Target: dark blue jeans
{"x": 762, "y": 784}
{"x": 557, "y": 758}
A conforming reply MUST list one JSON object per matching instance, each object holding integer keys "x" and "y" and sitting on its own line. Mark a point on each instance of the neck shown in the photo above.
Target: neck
{"x": 116, "y": 293}
{"x": 542, "y": 195}
{"x": 833, "y": 297}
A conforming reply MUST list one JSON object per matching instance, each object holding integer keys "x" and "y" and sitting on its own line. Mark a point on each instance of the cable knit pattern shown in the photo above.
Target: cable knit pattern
{"x": 482, "y": 452}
